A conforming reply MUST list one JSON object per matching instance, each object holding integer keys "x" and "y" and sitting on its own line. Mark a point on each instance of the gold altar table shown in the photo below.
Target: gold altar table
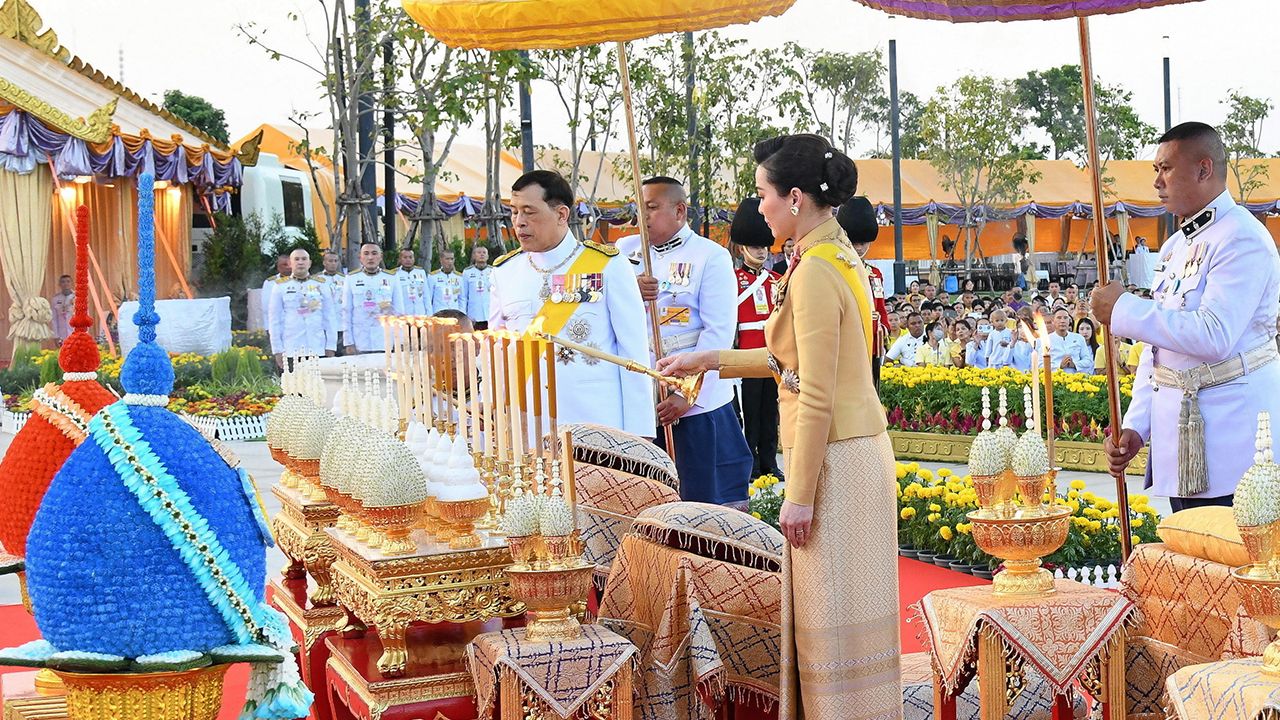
{"x": 299, "y": 531}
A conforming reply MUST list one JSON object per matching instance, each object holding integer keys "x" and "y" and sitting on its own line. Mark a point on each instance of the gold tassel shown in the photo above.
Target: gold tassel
{"x": 1192, "y": 476}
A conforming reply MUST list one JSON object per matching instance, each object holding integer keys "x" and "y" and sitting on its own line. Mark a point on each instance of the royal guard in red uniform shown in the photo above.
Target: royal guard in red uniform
{"x": 858, "y": 219}
{"x": 759, "y": 396}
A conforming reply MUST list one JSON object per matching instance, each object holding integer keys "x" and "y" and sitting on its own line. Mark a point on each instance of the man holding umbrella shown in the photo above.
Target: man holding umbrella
{"x": 1211, "y": 362}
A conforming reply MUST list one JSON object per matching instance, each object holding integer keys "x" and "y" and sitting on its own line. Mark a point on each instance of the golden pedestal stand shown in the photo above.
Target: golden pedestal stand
{"x": 432, "y": 584}
{"x": 299, "y": 530}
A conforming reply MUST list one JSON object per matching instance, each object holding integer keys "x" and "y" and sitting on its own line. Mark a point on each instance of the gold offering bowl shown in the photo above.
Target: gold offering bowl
{"x": 995, "y": 492}
{"x": 393, "y": 524}
{"x": 545, "y": 552}
{"x": 550, "y": 597}
{"x": 1032, "y": 488}
{"x": 1260, "y": 544}
{"x": 462, "y": 515}
{"x": 278, "y": 455}
{"x": 1020, "y": 540}
{"x": 1260, "y": 595}
{"x": 185, "y": 695}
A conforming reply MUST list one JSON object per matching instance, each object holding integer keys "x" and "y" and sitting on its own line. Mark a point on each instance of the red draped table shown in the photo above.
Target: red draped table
{"x": 1074, "y": 636}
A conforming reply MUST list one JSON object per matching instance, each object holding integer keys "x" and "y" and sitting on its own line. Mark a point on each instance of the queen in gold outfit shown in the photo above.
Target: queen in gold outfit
{"x": 840, "y": 597}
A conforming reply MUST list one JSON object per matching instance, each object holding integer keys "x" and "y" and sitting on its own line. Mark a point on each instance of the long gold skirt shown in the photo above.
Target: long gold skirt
{"x": 840, "y": 642}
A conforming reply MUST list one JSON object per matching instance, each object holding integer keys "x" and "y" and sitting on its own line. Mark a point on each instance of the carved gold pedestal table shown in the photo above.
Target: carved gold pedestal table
{"x": 1074, "y": 636}
{"x": 432, "y": 584}
{"x": 22, "y": 701}
{"x": 435, "y": 683}
{"x": 299, "y": 530}
{"x": 586, "y": 677}
{"x": 1228, "y": 690}
{"x": 310, "y": 625}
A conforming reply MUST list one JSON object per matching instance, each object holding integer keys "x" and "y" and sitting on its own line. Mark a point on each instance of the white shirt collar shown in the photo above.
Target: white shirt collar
{"x": 568, "y": 245}
{"x": 683, "y": 234}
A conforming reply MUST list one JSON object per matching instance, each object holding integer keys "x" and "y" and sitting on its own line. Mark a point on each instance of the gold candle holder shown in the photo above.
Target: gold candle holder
{"x": 462, "y": 516}
{"x": 186, "y": 695}
{"x": 1260, "y": 595}
{"x": 1021, "y": 541}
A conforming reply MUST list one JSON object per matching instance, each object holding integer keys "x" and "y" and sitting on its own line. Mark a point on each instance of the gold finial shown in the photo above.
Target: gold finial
{"x": 21, "y": 22}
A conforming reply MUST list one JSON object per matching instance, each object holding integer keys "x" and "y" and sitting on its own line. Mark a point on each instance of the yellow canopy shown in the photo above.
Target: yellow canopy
{"x": 557, "y": 24}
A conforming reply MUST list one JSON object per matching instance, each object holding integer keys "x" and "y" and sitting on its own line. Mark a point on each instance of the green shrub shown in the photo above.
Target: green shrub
{"x": 50, "y": 371}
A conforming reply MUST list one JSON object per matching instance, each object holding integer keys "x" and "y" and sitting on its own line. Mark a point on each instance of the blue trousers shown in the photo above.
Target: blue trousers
{"x": 712, "y": 457}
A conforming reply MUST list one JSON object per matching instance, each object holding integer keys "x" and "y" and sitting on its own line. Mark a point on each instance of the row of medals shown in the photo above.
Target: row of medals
{"x": 581, "y": 294}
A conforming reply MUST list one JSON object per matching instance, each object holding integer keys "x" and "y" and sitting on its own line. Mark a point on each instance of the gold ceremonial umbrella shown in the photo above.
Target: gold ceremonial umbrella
{"x": 559, "y": 24}
{"x": 1008, "y": 10}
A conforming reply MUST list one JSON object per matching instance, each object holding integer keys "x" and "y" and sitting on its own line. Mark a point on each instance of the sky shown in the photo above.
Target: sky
{"x": 1214, "y": 46}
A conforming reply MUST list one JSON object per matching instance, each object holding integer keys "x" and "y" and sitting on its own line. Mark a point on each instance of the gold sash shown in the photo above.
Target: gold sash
{"x": 555, "y": 315}
{"x": 845, "y": 260}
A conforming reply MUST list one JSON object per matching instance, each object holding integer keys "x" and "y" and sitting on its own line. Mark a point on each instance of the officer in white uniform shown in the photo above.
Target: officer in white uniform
{"x": 1209, "y": 329}
{"x": 414, "y": 285}
{"x": 696, "y": 293}
{"x": 335, "y": 277}
{"x": 551, "y": 265}
{"x": 303, "y": 317}
{"x": 445, "y": 286}
{"x": 1069, "y": 351}
{"x": 476, "y": 280}
{"x": 283, "y": 268}
{"x": 368, "y": 294}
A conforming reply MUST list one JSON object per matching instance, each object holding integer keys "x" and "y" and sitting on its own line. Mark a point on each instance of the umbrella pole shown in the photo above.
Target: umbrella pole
{"x": 1104, "y": 269}
{"x": 654, "y": 329}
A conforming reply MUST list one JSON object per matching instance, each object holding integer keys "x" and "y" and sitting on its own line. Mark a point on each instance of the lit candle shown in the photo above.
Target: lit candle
{"x": 386, "y": 341}
{"x": 486, "y": 372}
{"x": 532, "y": 347}
{"x": 420, "y": 374}
{"x": 460, "y": 386}
{"x": 522, "y": 372}
{"x": 473, "y": 385}
{"x": 551, "y": 383}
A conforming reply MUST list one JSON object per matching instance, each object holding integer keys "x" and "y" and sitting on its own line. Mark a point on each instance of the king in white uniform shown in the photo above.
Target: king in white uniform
{"x": 607, "y": 312}
{"x": 697, "y": 310}
{"x": 1209, "y": 329}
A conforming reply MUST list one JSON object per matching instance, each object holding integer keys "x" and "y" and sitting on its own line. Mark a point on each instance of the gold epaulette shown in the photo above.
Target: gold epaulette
{"x": 317, "y": 278}
{"x": 506, "y": 257}
{"x": 609, "y": 250}
{"x": 285, "y": 278}
{"x": 389, "y": 272}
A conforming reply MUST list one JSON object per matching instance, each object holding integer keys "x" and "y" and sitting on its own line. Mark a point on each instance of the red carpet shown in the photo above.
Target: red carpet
{"x": 915, "y": 579}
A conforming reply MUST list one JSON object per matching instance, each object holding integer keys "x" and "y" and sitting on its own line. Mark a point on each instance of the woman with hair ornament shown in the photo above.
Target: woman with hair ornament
{"x": 840, "y": 645}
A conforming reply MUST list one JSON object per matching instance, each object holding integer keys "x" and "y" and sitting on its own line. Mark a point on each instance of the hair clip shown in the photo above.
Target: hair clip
{"x": 827, "y": 156}
{"x": 823, "y": 186}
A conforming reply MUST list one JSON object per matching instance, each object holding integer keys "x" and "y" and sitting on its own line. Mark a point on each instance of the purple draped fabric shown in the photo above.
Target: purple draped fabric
{"x": 25, "y": 141}
{"x": 1008, "y": 10}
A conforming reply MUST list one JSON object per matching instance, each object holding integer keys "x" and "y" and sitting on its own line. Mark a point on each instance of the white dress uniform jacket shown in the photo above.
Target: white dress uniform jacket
{"x": 416, "y": 291}
{"x": 475, "y": 292}
{"x": 1214, "y": 297}
{"x": 265, "y": 299}
{"x": 364, "y": 298}
{"x": 335, "y": 282}
{"x": 589, "y": 390}
{"x": 697, "y": 302}
{"x": 304, "y": 320}
{"x": 446, "y": 291}
{"x": 1074, "y": 346}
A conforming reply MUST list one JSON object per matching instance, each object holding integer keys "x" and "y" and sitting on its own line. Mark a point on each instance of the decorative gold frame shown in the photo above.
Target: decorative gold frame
{"x": 1069, "y": 454}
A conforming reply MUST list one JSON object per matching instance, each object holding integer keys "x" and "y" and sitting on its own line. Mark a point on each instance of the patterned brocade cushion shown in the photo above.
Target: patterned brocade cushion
{"x": 617, "y": 450}
{"x": 608, "y": 502}
{"x": 713, "y": 531}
